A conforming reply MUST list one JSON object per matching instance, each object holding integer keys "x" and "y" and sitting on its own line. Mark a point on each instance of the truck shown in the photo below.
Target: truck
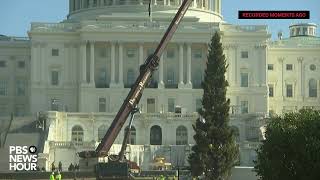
{"x": 117, "y": 166}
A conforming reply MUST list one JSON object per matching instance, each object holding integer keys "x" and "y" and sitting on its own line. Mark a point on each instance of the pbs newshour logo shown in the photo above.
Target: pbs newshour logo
{"x": 23, "y": 158}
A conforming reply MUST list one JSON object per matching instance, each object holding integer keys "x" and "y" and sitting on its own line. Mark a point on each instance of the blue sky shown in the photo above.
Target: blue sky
{"x": 16, "y": 15}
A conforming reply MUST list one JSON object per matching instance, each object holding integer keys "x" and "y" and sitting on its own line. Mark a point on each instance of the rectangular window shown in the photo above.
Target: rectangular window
{"x": 244, "y": 54}
{"x": 19, "y": 110}
{"x": 21, "y": 64}
{"x": 270, "y": 90}
{"x": 270, "y": 67}
{"x": 289, "y": 90}
{"x": 151, "y": 105}
{"x": 198, "y": 104}
{"x": 244, "y": 79}
{"x": 102, "y": 104}
{"x": 55, "y": 52}
{"x": 3, "y": 110}
{"x": 103, "y": 53}
{"x": 298, "y": 31}
{"x": 131, "y": 53}
{"x": 170, "y": 53}
{"x": 55, "y": 78}
{"x": 171, "y": 105}
{"x": 3, "y": 63}
{"x": 305, "y": 31}
{"x": 289, "y": 67}
{"x": 197, "y": 54}
{"x": 244, "y": 107}
{"x": 150, "y": 51}
{"x": 20, "y": 87}
{"x": 3, "y": 88}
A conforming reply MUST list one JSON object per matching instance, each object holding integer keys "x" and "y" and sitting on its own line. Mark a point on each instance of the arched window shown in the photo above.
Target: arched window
{"x": 313, "y": 88}
{"x": 181, "y": 135}
{"x": 102, "y": 131}
{"x": 155, "y": 135}
{"x": 130, "y": 77}
{"x": 132, "y": 138}
{"x": 236, "y": 132}
{"x": 77, "y": 135}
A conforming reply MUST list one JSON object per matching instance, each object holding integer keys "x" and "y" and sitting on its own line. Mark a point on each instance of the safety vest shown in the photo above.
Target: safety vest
{"x": 52, "y": 177}
{"x": 58, "y": 177}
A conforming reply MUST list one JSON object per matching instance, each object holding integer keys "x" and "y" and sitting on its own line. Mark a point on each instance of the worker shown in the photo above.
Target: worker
{"x": 52, "y": 176}
{"x": 161, "y": 177}
{"x": 58, "y": 176}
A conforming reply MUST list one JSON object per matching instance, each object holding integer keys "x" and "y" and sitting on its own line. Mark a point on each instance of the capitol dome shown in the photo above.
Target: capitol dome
{"x": 200, "y": 10}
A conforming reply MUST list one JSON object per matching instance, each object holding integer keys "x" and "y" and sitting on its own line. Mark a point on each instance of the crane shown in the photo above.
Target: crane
{"x": 130, "y": 103}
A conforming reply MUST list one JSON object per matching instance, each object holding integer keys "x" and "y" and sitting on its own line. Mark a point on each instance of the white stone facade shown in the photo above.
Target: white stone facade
{"x": 86, "y": 64}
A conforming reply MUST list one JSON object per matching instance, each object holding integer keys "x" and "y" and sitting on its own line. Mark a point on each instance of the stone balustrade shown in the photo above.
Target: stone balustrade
{"x": 244, "y": 28}
{"x": 138, "y": 25}
{"x": 71, "y": 144}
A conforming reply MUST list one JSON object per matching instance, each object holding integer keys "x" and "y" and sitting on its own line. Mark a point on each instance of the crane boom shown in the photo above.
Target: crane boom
{"x": 134, "y": 96}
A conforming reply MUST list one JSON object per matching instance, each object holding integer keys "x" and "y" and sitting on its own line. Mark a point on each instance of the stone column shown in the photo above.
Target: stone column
{"x": 107, "y": 58}
{"x": 235, "y": 66}
{"x": 300, "y": 79}
{"x": 113, "y": 67}
{"x": 161, "y": 83}
{"x": 76, "y": 5}
{"x": 195, "y": 3}
{"x": 189, "y": 57}
{"x": 71, "y": 5}
{"x": 257, "y": 71}
{"x": 263, "y": 76}
{"x": 34, "y": 63}
{"x": 66, "y": 63}
{"x": 181, "y": 83}
{"x": 83, "y": 57}
{"x": 44, "y": 68}
{"x": 168, "y": 2}
{"x": 74, "y": 63}
{"x": 141, "y": 58}
{"x": 280, "y": 68}
{"x": 120, "y": 83}
{"x": 216, "y": 6}
{"x": 70, "y": 63}
{"x": 155, "y": 2}
{"x": 92, "y": 83}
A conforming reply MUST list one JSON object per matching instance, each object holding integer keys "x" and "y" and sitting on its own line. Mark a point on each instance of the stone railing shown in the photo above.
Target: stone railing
{"x": 118, "y": 25}
{"x": 54, "y": 27}
{"x": 169, "y": 116}
{"x": 236, "y": 111}
{"x": 12, "y": 38}
{"x": 71, "y": 144}
{"x": 244, "y": 28}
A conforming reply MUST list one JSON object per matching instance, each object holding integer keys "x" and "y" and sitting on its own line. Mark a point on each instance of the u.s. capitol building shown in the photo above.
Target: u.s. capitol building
{"x": 79, "y": 71}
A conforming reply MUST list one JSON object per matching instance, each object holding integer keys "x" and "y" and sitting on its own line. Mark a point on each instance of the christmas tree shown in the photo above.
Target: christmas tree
{"x": 215, "y": 151}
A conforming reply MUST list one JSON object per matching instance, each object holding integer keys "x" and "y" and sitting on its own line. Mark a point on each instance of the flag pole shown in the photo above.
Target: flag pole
{"x": 150, "y": 10}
